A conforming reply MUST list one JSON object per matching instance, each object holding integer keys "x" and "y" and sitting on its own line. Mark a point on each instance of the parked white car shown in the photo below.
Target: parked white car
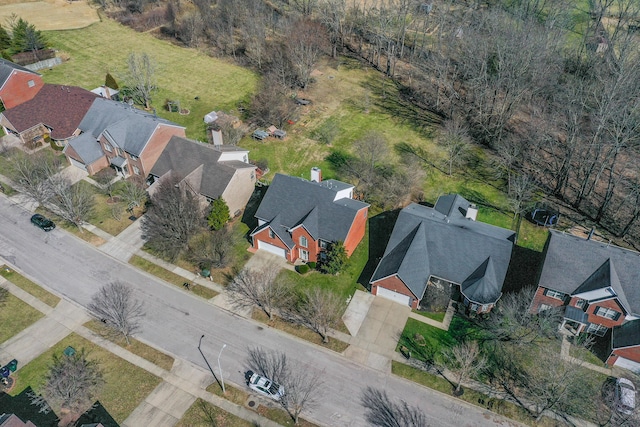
{"x": 266, "y": 387}
{"x": 625, "y": 396}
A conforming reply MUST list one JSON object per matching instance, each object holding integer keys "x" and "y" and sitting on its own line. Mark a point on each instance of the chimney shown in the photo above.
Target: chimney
{"x": 593, "y": 230}
{"x": 216, "y": 136}
{"x": 316, "y": 174}
{"x": 472, "y": 212}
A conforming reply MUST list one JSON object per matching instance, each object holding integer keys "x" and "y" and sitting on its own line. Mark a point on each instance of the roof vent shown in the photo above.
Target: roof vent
{"x": 472, "y": 212}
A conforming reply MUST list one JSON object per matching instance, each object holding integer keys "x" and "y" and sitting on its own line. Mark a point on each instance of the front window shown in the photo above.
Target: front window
{"x": 303, "y": 241}
{"x": 133, "y": 157}
{"x": 554, "y": 294}
{"x": 596, "y": 329}
{"x": 544, "y": 307}
{"x": 304, "y": 255}
{"x": 607, "y": 313}
{"x": 136, "y": 170}
{"x": 580, "y": 303}
{"x": 107, "y": 147}
{"x": 323, "y": 244}
{"x": 272, "y": 235}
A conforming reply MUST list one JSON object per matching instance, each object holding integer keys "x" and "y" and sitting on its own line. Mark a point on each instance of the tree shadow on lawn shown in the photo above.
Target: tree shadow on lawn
{"x": 248, "y": 216}
{"x": 380, "y": 228}
{"x": 523, "y": 269}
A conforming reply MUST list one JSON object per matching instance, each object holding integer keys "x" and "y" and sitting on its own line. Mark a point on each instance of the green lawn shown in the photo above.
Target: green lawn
{"x": 83, "y": 234}
{"x": 170, "y": 277}
{"x": 15, "y": 316}
{"x": 126, "y": 385}
{"x": 149, "y": 353}
{"x": 28, "y": 286}
{"x": 438, "y": 317}
{"x": 182, "y": 74}
{"x": 201, "y": 414}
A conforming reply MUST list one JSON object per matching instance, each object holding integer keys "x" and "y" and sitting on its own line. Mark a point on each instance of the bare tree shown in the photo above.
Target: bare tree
{"x": 302, "y": 384}
{"x": 464, "y": 360}
{"x": 73, "y": 382}
{"x": 34, "y": 174}
{"x": 212, "y": 249}
{"x": 383, "y": 412}
{"x": 372, "y": 149}
{"x": 75, "y": 203}
{"x": 132, "y": 193}
{"x": 320, "y": 310}
{"x": 173, "y": 217}
{"x": 116, "y": 307}
{"x": 141, "y": 79}
{"x": 520, "y": 197}
{"x": 456, "y": 142}
{"x": 306, "y": 41}
{"x": 106, "y": 180}
{"x": 261, "y": 288}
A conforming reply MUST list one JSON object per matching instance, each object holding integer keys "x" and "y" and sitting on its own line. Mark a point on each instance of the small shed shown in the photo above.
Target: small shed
{"x": 279, "y": 133}
{"x": 271, "y": 129}
{"x": 260, "y": 134}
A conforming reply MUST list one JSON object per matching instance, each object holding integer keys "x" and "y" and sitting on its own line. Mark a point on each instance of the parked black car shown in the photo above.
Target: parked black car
{"x": 42, "y": 222}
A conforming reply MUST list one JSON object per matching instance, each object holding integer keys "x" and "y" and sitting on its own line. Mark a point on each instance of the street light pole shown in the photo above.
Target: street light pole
{"x": 207, "y": 362}
{"x": 220, "y": 369}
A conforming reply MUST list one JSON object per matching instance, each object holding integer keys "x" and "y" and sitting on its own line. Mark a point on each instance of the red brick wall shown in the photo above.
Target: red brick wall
{"x": 155, "y": 146}
{"x": 356, "y": 232}
{"x": 631, "y": 353}
{"x": 609, "y": 323}
{"x": 98, "y": 165}
{"x": 263, "y": 236}
{"x": 393, "y": 283}
{"x": 539, "y": 298}
{"x": 312, "y": 245}
{"x": 16, "y": 90}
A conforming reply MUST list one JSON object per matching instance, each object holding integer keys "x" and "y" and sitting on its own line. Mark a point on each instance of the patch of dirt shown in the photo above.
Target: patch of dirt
{"x": 51, "y": 14}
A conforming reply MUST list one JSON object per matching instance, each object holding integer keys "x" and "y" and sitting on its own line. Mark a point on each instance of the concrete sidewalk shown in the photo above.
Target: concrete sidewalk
{"x": 126, "y": 244}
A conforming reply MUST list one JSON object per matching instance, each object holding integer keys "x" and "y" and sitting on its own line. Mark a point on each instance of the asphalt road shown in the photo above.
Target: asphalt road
{"x": 175, "y": 321}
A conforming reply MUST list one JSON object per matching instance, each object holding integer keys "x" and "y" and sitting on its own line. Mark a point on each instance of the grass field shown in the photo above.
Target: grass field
{"x": 182, "y": 74}
{"x": 27, "y": 285}
{"x": 15, "y": 316}
{"x": 201, "y": 414}
{"x": 125, "y": 388}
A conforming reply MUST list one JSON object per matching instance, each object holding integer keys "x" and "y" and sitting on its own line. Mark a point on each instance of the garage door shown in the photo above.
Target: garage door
{"x": 627, "y": 364}
{"x": 394, "y": 296}
{"x": 78, "y": 164}
{"x": 271, "y": 249}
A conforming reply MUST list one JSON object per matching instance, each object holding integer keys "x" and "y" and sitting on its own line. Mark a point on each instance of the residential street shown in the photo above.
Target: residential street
{"x": 175, "y": 321}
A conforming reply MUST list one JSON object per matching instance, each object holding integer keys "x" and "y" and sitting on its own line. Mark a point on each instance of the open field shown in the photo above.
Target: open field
{"x": 182, "y": 74}
{"x": 125, "y": 387}
{"x": 50, "y": 14}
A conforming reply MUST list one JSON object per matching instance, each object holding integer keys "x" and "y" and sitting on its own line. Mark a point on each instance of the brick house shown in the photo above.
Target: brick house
{"x": 17, "y": 84}
{"x": 444, "y": 247}
{"x": 118, "y": 135}
{"x": 299, "y": 219}
{"x": 208, "y": 171}
{"x": 54, "y": 112}
{"x": 596, "y": 283}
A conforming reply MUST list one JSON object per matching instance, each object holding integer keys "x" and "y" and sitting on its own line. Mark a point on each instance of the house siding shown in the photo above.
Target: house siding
{"x": 604, "y": 321}
{"x": 156, "y": 144}
{"x": 312, "y": 245}
{"x": 393, "y": 283}
{"x": 98, "y": 165}
{"x": 263, "y": 236}
{"x": 16, "y": 89}
{"x": 239, "y": 190}
{"x": 356, "y": 232}
{"x": 540, "y": 298}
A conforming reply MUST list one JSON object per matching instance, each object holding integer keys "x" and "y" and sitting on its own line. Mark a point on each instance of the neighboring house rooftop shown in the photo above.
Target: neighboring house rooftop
{"x": 60, "y": 108}
{"x": 199, "y": 165}
{"x": 291, "y": 201}
{"x": 87, "y": 148}
{"x": 426, "y": 242}
{"x": 12, "y": 420}
{"x": 626, "y": 335}
{"x": 575, "y": 265}
{"x": 8, "y": 67}
{"x": 127, "y": 127}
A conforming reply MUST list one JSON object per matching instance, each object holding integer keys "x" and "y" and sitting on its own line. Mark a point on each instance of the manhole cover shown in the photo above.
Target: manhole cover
{"x": 251, "y": 404}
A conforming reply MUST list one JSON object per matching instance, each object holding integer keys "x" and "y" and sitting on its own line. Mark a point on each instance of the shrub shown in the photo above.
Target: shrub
{"x": 312, "y": 265}
{"x": 302, "y": 269}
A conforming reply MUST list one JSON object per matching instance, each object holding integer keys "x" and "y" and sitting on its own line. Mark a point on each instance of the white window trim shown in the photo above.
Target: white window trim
{"x": 544, "y": 307}
{"x": 607, "y": 313}
{"x": 303, "y": 242}
{"x": 136, "y": 170}
{"x": 580, "y": 303}
{"x": 107, "y": 147}
{"x": 272, "y": 234}
{"x": 595, "y": 328}
{"x": 554, "y": 294}
{"x": 304, "y": 254}
{"x": 31, "y": 83}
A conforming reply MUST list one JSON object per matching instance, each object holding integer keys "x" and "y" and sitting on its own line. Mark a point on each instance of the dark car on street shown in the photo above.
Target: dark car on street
{"x": 42, "y": 222}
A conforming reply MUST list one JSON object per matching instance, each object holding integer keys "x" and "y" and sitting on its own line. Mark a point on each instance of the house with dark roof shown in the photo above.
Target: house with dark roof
{"x": 12, "y": 420}
{"x": 17, "y": 84}
{"x": 300, "y": 219}
{"x": 115, "y": 134}
{"x": 54, "y": 112}
{"x": 208, "y": 171}
{"x": 598, "y": 284}
{"x": 444, "y": 247}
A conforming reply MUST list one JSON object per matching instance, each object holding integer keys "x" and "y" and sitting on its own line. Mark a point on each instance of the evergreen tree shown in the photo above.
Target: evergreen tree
{"x": 219, "y": 214}
{"x": 25, "y": 37}
{"x": 5, "y": 39}
{"x": 110, "y": 82}
{"x": 336, "y": 259}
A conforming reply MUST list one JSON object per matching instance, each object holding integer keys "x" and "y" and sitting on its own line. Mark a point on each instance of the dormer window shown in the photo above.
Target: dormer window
{"x": 580, "y": 303}
{"x": 607, "y": 313}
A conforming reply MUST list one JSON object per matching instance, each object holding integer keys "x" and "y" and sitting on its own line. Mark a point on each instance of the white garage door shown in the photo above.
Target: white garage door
{"x": 78, "y": 164}
{"x": 271, "y": 249}
{"x": 394, "y": 296}
{"x": 627, "y": 364}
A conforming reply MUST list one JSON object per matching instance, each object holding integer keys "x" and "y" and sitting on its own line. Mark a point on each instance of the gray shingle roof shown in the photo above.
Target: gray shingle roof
{"x": 87, "y": 148}
{"x": 183, "y": 157}
{"x": 425, "y": 242}
{"x": 128, "y": 127}
{"x": 8, "y": 67}
{"x": 573, "y": 264}
{"x": 626, "y": 335}
{"x": 294, "y": 198}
